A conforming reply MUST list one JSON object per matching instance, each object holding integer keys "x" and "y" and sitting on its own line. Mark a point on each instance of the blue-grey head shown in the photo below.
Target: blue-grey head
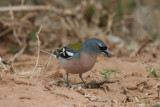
{"x": 95, "y": 46}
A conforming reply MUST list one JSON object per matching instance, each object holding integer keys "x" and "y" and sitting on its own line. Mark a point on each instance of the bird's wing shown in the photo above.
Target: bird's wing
{"x": 69, "y": 51}
{"x": 77, "y": 46}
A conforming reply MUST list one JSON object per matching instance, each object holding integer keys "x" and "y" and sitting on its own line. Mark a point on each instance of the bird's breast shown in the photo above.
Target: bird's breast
{"x": 79, "y": 65}
{"x": 88, "y": 61}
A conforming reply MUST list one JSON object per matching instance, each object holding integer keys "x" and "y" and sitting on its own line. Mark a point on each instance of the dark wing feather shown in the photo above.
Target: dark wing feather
{"x": 65, "y": 52}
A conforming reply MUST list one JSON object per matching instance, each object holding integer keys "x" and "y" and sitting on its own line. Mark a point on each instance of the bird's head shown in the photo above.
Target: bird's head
{"x": 95, "y": 46}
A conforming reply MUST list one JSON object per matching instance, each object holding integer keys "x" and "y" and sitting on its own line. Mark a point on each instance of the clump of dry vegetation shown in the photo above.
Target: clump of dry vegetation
{"x": 115, "y": 22}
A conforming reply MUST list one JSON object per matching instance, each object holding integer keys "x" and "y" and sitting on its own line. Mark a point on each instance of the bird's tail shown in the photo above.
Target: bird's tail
{"x": 48, "y": 52}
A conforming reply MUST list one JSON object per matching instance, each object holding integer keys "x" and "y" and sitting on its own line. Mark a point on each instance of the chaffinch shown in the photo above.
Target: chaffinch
{"x": 80, "y": 58}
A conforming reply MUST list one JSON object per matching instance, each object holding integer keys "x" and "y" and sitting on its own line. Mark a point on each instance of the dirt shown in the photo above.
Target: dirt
{"x": 135, "y": 86}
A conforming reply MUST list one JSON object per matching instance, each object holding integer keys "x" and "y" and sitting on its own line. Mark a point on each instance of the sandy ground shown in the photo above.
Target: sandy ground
{"x": 135, "y": 87}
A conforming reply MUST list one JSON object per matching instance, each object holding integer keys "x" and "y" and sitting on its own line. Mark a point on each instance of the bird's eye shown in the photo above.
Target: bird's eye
{"x": 102, "y": 47}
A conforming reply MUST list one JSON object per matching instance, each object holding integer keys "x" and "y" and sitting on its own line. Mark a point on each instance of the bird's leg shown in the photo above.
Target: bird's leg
{"x": 80, "y": 75}
{"x": 67, "y": 82}
{"x": 67, "y": 76}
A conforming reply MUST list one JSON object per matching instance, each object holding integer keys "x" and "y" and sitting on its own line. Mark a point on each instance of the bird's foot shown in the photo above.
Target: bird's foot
{"x": 83, "y": 82}
{"x": 67, "y": 83}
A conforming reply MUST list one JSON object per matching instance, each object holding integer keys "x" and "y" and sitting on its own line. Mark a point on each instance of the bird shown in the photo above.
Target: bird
{"x": 81, "y": 57}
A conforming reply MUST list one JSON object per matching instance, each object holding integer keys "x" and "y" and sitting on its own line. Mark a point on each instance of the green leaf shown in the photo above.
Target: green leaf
{"x": 108, "y": 1}
{"x": 132, "y": 4}
{"x": 91, "y": 9}
{"x": 14, "y": 49}
{"x": 153, "y": 71}
{"x": 33, "y": 34}
{"x": 120, "y": 9}
{"x": 108, "y": 73}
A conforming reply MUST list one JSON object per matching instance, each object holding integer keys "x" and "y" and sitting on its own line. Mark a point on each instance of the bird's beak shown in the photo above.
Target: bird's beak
{"x": 106, "y": 53}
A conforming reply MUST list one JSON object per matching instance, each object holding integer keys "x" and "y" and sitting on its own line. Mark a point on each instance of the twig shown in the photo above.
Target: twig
{"x": 109, "y": 25}
{"x": 145, "y": 64}
{"x": 17, "y": 55}
{"x": 140, "y": 58}
{"x": 31, "y": 8}
{"x": 138, "y": 5}
{"x": 157, "y": 87}
{"x": 45, "y": 65}
{"x": 137, "y": 52}
{"x": 38, "y": 44}
{"x": 144, "y": 45}
{"x": 94, "y": 84}
{"x": 5, "y": 31}
{"x": 4, "y": 67}
{"x": 16, "y": 36}
{"x": 98, "y": 84}
{"x": 13, "y": 28}
{"x": 22, "y": 2}
{"x": 77, "y": 33}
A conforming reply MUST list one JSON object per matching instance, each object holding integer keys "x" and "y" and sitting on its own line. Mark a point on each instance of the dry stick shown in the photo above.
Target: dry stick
{"x": 38, "y": 44}
{"x": 13, "y": 28}
{"x": 109, "y": 25}
{"x": 4, "y": 67}
{"x": 144, "y": 45}
{"x": 140, "y": 58}
{"x": 22, "y": 2}
{"x": 16, "y": 37}
{"x": 140, "y": 50}
{"x": 146, "y": 42}
{"x": 75, "y": 30}
{"x": 45, "y": 65}
{"x": 95, "y": 84}
{"x": 31, "y": 8}
{"x": 102, "y": 82}
{"x": 157, "y": 88}
{"x": 146, "y": 65}
{"x": 5, "y": 32}
{"x": 17, "y": 55}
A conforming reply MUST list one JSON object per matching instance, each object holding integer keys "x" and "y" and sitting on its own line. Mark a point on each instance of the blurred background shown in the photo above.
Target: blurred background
{"x": 127, "y": 26}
